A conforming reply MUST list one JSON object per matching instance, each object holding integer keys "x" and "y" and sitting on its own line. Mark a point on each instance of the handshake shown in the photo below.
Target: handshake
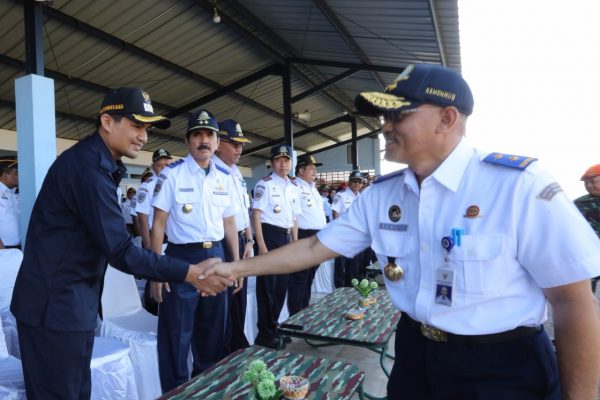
{"x": 212, "y": 276}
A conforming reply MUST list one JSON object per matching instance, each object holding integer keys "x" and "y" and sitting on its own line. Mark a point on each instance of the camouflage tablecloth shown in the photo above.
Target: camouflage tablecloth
{"x": 329, "y": 379}
{"x": 325, "y": 320}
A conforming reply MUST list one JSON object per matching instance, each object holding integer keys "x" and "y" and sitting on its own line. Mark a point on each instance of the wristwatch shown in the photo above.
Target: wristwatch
{"x": 250, "y": 241}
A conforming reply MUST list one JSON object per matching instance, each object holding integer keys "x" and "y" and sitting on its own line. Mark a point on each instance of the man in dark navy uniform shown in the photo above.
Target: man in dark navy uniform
{"x": 76, "y": 228}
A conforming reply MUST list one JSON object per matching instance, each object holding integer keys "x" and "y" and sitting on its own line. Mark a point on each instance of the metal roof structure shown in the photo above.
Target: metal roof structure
{"x": 333, "y": 49}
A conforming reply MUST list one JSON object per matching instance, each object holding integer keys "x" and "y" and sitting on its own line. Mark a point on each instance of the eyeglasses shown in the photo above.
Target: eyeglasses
{"x": 397, "y": 116}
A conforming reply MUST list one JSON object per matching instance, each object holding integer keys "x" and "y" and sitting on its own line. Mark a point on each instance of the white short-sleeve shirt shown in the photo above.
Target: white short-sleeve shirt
{"x": 278, "y": 199}
{"x": 196, "y": 202}
{"x": 521, "y": 234}
{"x": 311, "y": 203}
{"x": 145, "y": 195}
{"x": 240, "y": 193}
{"x": 9, "y": 216}
{"x": 343, "y": 200}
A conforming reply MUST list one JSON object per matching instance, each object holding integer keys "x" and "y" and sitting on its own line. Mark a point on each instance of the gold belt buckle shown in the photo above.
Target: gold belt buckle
{"x": 433, "y": 333}
{"x": 207, "y": 245}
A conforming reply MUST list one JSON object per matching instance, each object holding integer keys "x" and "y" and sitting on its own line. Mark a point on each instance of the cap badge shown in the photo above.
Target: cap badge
{"x": 187, "y": 208}
{"x": 472, "y": 212}
{"x": 283, "y": 150}
{"x": 402, "y": 77}
{"x": 203, "y": 117}
{"x": 147, "y": 103}
{"x": 238, "y": 130}
{"x": 395, "y": 213}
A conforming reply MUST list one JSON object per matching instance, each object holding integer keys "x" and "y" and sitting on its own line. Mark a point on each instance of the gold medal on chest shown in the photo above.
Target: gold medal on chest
{"x": 392, "y": 271}
{"x": 187, "y": 208}
{"x": 277, "y": 209}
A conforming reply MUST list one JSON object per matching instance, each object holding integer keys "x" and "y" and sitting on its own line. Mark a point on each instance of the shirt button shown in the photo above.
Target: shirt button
{"x": 425, "y": 211}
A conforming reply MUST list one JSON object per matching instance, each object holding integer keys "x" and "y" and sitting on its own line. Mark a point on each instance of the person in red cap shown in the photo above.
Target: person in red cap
{"x": 589, "y": 205}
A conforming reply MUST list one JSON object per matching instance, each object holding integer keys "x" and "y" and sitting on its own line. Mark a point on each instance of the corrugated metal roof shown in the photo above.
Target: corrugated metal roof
{"x": 172, "y": 49}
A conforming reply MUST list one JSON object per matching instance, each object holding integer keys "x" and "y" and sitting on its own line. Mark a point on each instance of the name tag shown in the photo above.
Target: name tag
{"x": 186, "y": 189}
{"x": 393, "y": 227}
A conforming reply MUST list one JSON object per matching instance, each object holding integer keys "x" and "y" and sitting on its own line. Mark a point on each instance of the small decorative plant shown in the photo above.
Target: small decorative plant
{"x": 262, "y": 380}
{"x": 364, "y": 287}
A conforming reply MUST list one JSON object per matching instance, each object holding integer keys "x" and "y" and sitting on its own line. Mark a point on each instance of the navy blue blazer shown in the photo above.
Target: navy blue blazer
{"x": 75, "y": 229}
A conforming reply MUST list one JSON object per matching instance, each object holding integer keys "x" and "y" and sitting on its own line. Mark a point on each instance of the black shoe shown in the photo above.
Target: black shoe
{"x": 286, "y": 339}
{"x": 274, "y": 343}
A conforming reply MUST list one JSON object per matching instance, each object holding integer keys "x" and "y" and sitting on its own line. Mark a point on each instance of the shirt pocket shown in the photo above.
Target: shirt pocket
{"x": 401, "y": 248}
{"x": 482, "y": 269}
{"x": 220, "y": 198}
{"x": 184, "y": 200}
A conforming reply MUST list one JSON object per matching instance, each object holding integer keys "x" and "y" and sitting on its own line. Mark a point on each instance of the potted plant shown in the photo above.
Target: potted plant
{"x": 262, "y": 380}
{"x": 365, "y": 287}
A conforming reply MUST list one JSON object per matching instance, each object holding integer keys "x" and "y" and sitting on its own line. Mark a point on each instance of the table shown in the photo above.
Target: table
{"x": 329, "y": 379}
{"x": 324, "y": 321}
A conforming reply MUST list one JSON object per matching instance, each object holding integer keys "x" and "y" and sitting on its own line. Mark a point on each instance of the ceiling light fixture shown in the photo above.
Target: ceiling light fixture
{"x": 216, "y": 16}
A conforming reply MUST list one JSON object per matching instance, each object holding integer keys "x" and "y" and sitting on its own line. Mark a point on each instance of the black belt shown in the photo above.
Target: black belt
{"x": 438, "y": 335}
{"x": 16, "y": 246}
{"x": 276, "y": 228}
{"x": 197, "y": 245}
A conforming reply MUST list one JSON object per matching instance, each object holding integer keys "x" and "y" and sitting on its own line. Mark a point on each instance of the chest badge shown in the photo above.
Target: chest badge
{"x": 472, "y": 212}
{"x": 187, "y": 208}
{"x": 277, "y": 209}
{"x": 395, "y": 213}
{"x": 392, "y": 271}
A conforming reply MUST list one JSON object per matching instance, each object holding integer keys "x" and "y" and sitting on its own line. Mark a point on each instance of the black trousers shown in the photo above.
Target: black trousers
{"x": 345, "y": 269}
{"x": 271, "y": 289}
{"x": 56, "y": 365}
{"x": 235, "y": 338}
{"x": 523, "y": 369}
{"x": 300, "y": 282}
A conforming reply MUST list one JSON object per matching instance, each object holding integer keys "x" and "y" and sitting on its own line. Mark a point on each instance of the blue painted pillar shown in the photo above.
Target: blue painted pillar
{"x": 36, "y": 139}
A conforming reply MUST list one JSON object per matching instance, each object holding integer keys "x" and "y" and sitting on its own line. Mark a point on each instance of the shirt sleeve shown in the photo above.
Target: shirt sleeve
{"x": 163, "y": 194}
{"x": 102, "y": 217}
{"x": 556, "y": 244}
{"x": 261, "y": 196}
{"x": 352, "y": 226}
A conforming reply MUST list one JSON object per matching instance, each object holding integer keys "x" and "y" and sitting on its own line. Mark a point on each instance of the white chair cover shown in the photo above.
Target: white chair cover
{"x": 12, "y": 385}
{"x": 127, "y": 321}
{"x": 323, "y": 282}
{"x": 112, "y": 371}
{"x": 10, "y": 262}
{"x": 250, "y": 328}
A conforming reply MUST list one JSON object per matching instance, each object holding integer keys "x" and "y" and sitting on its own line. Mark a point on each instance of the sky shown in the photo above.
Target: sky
{"x": 534, "y": 69}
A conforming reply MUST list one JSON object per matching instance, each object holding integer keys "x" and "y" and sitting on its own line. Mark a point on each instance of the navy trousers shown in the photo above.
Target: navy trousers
{"x": 523, "y": 369}
{"x": 185, "y": 319}
{"x": 300, "y": 282}
{"x": 235, "y": 338}
{"x": 56, "y": 365}
{"x": 270, "y": 289}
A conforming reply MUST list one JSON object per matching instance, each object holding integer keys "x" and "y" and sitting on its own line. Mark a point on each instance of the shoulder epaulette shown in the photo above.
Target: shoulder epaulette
{"x": 267, "y": 178}
{"x": 223, "y": 170}
{"x": 509, "y": 160}
{"x": 176, "y": 163}
{"x": 162, "y": 176}
{"x": 293, "y": 180}
{"x": 391, "y": 175}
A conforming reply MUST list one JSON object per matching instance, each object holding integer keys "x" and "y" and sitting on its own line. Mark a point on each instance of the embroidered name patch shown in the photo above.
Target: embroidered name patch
{"x": 186, "y": 189}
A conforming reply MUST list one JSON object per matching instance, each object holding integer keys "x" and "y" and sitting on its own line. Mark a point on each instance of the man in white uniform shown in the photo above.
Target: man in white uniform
{"x": 274, "y": 210}
{"x": 10, "y": 234}
{"x": 228, "y": 154}
{"x": 193, "y": 205}
{"x": 145, "y": 213}
{"x": 310, "y": 221}
{"x": 494, "y": 228}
